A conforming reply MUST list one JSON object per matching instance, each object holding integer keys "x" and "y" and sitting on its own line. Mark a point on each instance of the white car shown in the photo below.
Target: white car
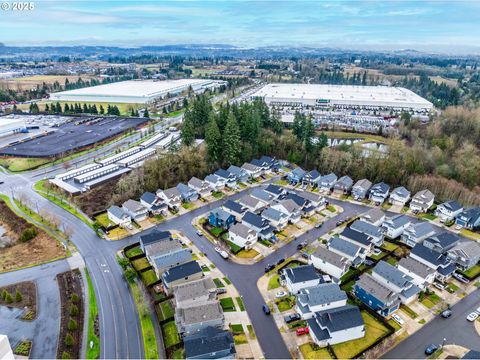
{"x": 398, "y": 319}
{"x": 218, "y": 250}
{"x": 478, "y": 311}
{"x": 280, "y": 294}
{"x": 472, "y": 317}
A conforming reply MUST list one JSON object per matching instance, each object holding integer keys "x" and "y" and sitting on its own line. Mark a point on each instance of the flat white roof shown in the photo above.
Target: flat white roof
{"x": 342, "y": 94}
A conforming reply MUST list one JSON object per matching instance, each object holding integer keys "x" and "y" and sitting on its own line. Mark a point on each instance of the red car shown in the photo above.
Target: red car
{"x": 302, "y": 331}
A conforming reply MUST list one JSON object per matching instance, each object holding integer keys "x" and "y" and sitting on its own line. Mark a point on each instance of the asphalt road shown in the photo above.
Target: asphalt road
{"x": 455, "y": 330}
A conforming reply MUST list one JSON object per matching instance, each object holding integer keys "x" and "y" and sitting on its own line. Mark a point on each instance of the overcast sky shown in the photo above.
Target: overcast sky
{"x": 447, "y": 26}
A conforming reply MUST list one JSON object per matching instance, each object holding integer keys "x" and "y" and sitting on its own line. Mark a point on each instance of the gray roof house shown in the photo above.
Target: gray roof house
{"x": 469, "y": 218}
{"x": 234, "y": 208}
{"x": 399, "y": 196}
{"x": 376, "y": 295}
{"x": 422, "y": 201}
{"x": 312, "y": 177}
{"x": 275, "y": 190}
{"x": 167, "y": 260}
{"x": 329, "y": 262}
{"x": 240, "y": 174}
{"x": 253, "y": 171}
{"x": 181, "y": 274}
{"x": 442, "y": 242}
{"x": 320, "y": 297}
{"x": 187, "y": 193}
{"x": 210, "y": 343}
{"x": 193, "y": 319}
{"x": 195, "y": 292}
{"x": 421, "y": 274}
{"x": 153, "y": 203}
{"x": 230, "y": 179}
{"x": 357, "y": 238}
{"x": 157, "y": 248}
{"x": 343, "y": 185}
{"x": 416, "y": 233}
{"x": 242, "y": 236}
{"x": 354, "y": 253}
{"x": 439, "y": 262}
{"x": 373, "y": 231}
{"x": 251, "y": 203}
{"x": 296, "y": 175}
{"x": 361, "y": 188}
{"x": 301, "y": 277}
{"x": 465, "y": 254}
{"x": 118, "y": 216}
{"x": 374, "y": 216}
{"x": 396, "y": 280}
{"x": 171, "y": 197}
{"x": 336, "y": 325}
{"x": 277, "y": 219}
{"x": 395, "y": 226}
{"x": 153, "y": 237}
{"x": 379, "y": 192}
{"x": 262, "y": 195}
{"x": 290, "y": 208}
{"x": 314, "y": 199}
{"x": 135, "y": 209}
{"x": 200, "y": 186}
{"x": 448, "y": 210}
{"x": 215, "y": 182}
{"x": 327, "y": 182}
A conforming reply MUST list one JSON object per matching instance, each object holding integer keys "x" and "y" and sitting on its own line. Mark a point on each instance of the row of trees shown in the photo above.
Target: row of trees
{"x": 77, "y": 109}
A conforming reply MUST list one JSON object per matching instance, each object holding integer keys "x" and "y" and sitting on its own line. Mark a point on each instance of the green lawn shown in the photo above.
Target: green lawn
{"x": 427, "y": 216}
{"x": 247, "y": 254}
{"x": 178, "y": 354}
{"x": 312, "y": 351}
{"x": 388, "y": 246}
{"x": 379, "y": 256}
{"x": 331, "y": 208}
{"x": 285, "y": 303}
{"x": 472, "y": 272}
{"x": 226, "y": 281}
{"x": 133, "y": 252}
{"x": 235, "y": 248}
{"x": 149, "y": 277}
{"x": 167, "y": 309}
{"x": 227, "y": 304}
{"x": 374, "y": 330}
{"x": 274, "y": 282}
{"x": 188, "y": 206}
{"x": 431, "y": 300}
{"x": 251, "y": 331}
{"x": 93, "y": 352}
{"x": 265, "y": 242}
{"x": 470, "y": 234}
{"x": 412, "y": 314}
{"x": 218, "y": 283}
{"x": 451, "y": 288}
{"x": 170, "y": 334}
{"x": 216, "y": 231}
{"x": 392, "y": 261}
{"x": 394, "y": 324}
{"x": 17, "y": 164}
{"x": 140, "y": 264}
{"x": 238, "y": 334}
{"x": 103, "y": 220}
{"x": 217, "y": 194}
{"x": 241, "y": 306}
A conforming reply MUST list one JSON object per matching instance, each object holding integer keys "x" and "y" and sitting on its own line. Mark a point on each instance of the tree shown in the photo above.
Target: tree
{"x": 69, "y": 340}
{"x": 145, "y": 114}
{"x": 74, "y": 298}
{"x": 188, "y": 131}
{"x": 213, "y": 139}
{"x": 72, "y": 324}
{"x": 73, "y": 310}
{"x": 231, "y": 141}
{"x": 18, "y": 296}
{"x": 47, "y": 108}
{"x": 132, "y": 112}
{"x": 123, "y": 262}
{"x": 8, "y": 298}
{"x": 4, "y": 294}
{"x": 58, "y": 108}
{"x": 129, "y": 274}
{"x": 66, "y": 355}
{"x": 102, "y": 110}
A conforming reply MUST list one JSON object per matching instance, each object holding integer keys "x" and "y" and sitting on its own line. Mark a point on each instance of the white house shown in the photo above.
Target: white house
{"x": 395, "y": 226}
{"x": 276, "y": 218}
{"x": 171, "y": 197}
{"x": 153, "y": 203}
{"x": 354, "y": 253}
{"x": 422, "y": 201}
{"x": 253, "y": 171}
{"x": 298, "y": 278}
{"x": 242, "y": 236}
{"x": 329, "y": 262}
{"x": 374, "y": 216}
{"x": 399, "y": 196}
{"x": 416, "y": 233}
{"x": 215, "y": 182}
{"x": 291, "y": 209}
{"x": 200, "y": 186}
{"x": 321, "y": 297}
{"x": 374, "y": 232}
{"x": 421, "y": 274}
{"x": 118, "y": 216}
{"x": 396, "y": 280}
{"x": 448, "y": 211}
{"x": 252, "y": 204}
{"x": 137, "y": 211}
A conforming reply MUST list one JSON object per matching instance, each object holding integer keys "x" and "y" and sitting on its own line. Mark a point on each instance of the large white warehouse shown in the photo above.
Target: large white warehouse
{"x": 135, "y": 91}
{"x": 341, "y": 96}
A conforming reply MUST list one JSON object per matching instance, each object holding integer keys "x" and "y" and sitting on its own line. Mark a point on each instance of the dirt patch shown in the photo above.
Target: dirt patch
{"x": 72, "y": 308}
{"x": 22, "y": 296}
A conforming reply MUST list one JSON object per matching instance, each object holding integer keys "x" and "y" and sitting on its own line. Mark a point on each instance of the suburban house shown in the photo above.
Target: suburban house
{"x": 296, "y": 176}
{"x": 336, "y": 325}
{"x": 275, "y": 190}
{"x": 376, "y": 295}
{"x": 240, "y": 174}
{"x": 399, "y": 196}
{"x": 242, "y": 236}
{"x": 361, "y": 188}
{"x": 421, "y": 274}
{"x": 329, "y": 262}
{"x": 395, "y": 226}
{"x": 170, "y": 258}
{"x": 439, "y": 262}
{"x": 277, "y": 219}
{"x": 135, "y": 210}
{"x": 181, "y": 274}
{"x": 311, "y": 178}
{"x": 298, "y": 278}
{"x": 266, "y": 163}
{"x": 164, "y": 245}
{"x": 290, "y": 208}
{"x": 195, "y": 292}
{"x": 374, "y": 232}
{"x": 234, "y": 208}
{"x": 210, "y": 343}
{"x": 343, "y": 185}
{"x": 171, "y": 197}
{"x": 354, "y": 253}
{"x": 321, "y": 297}
{"x": 374, "y": 216}
{"x": 327, "y": 182}
{"x": 252, "y": 204}
{"x": 153, "y": 237}
{"x": 396, "y": 280}
{"x": 262, "y": 195}
{"x": 202, "y": 188}
{"x": 253, "y": 171}
{"x": 442, "y": 242}
{"x": 230, "y": 179}
{"x": 469, "y": 219}
{"x": 193, "y": 319}
{"x": 379, "y": 192}
{"x": 357, "y": 238}
{"x": 220, "y": 218}
{"x": 422, "y": 201}
{"x": 416, "y": 233}
{"x": 118, "y": 216}
{"x": 465, "y": 254}
{"x": 154, "y": 205}
{"x": 187, "y": 193}
{"x": 299, "y": 200}
{"x": 216, "y": 183}
{"x": 448, "y": 210}
{"x": 315, "y": 200}
{"x": 258, "y": 224}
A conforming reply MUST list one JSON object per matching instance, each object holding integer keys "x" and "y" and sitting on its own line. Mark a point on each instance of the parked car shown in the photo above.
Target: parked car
{"x": 369, "y": 262}
{"x": 398, "y": 319}
{"x": 472, "y": 316}
{"x": 430, "y": 349}
{"x": 266, "y": 309}
{"x": 269, "y": 267}
{"x": 224, "y": 254}
{"x": 302, "y": 331}
{"x": 279, "y": 261}
{"x": 376, "y": 251}
{"x": 280, "y": 294}
{"x": 319, "y": 225}
{"x": 439, "y": 286}
{"x": 339, "y": 222}
{"x": 199, "y": 233}
{"x": 221, "y": 291}
{"x": 299, "y": 246}
{"x": 446, "y": 314}
{"x": 305, "y": 255}
{"x": 478, "y": 310}
{"x": 460, "y": 278}
{"x": 292, "y": 317}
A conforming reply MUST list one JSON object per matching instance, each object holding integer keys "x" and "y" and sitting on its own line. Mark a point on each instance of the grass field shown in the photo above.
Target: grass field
{"x": 274, "y": 282}
{"x": 431, "y": 300}
{"x": 470, "y": 234}
{"x": 21, "y": 164}
{"x": 312, "y": 351}
{"x": 227, "y": 304}
{"x": 167, "y": 310}
{"x": 149, "y": 277}
{"x": 133, "y": 252}
{"x": 285, "y": 303}
{"x": 218, "y": 283}
{"x": 92, "y": 352}
{"x": 241, "y": 306}
{"x": 140, "y": 264}
{"x": 247, "y": 254}
{"x": 170, "y": 334}
{"x": 472, "y": 272}
{"x": 30, "y": 82}
{"x": 374, "y": 330}
{"x": 103, "y": 220}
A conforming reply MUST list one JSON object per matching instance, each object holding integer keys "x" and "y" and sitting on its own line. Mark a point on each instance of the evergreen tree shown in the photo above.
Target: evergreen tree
{"x": 69, "y": 340}
{"x": 146, "y": 114}
{"x": 85, "y": 109}
{"x": 132, "y": 112}
{"x": 231, "y": 142}
{"x": 18, "y": 296}
{"x": 72, "y": 324}
{"x": 47, "y": 108}
{"x": 188, "y": 131}
{"x": 8, "y": 298}
{"x": 213, "y": 139}
{"x": 94, "y": 109}
{"x": 66, "y": 108}
{"x": 73, "y": 310}
{"x": 102, "y": 110}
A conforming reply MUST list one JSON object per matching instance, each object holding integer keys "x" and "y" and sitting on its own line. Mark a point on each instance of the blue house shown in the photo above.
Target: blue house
{"x": 376, "y": 296}
{"x": 469, "y": 219}
{"x": 210, "y": 343}
{"x": 240, "y": 174}
{"x": 220, "y": 218}
{"x": 312, "y": 178}
{"x": 187, "y": 193}
{"x": 296, "y": 175}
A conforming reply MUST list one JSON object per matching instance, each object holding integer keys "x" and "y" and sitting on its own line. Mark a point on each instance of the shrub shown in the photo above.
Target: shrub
{"x": 4, "y": 294}
{"x": 129, "y": 274}
{"x": 28, "y": 234}
{"x": 66, "y": 355}
{"x": 74, "y": 298}
{"x": 74, "y": 310}
{"x": 8, "y": 298}
{"x": 18, "y": 296}
{"x": 69, "y": 340}
{"x": 123, "y": 262}
{"x": 72, "y": 324}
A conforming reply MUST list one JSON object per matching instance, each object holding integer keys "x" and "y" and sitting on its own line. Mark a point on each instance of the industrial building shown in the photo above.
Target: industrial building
{"x": 135, "y": 91}
{"x": 320, "y": 96}
{"x": 9, "y": 126}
